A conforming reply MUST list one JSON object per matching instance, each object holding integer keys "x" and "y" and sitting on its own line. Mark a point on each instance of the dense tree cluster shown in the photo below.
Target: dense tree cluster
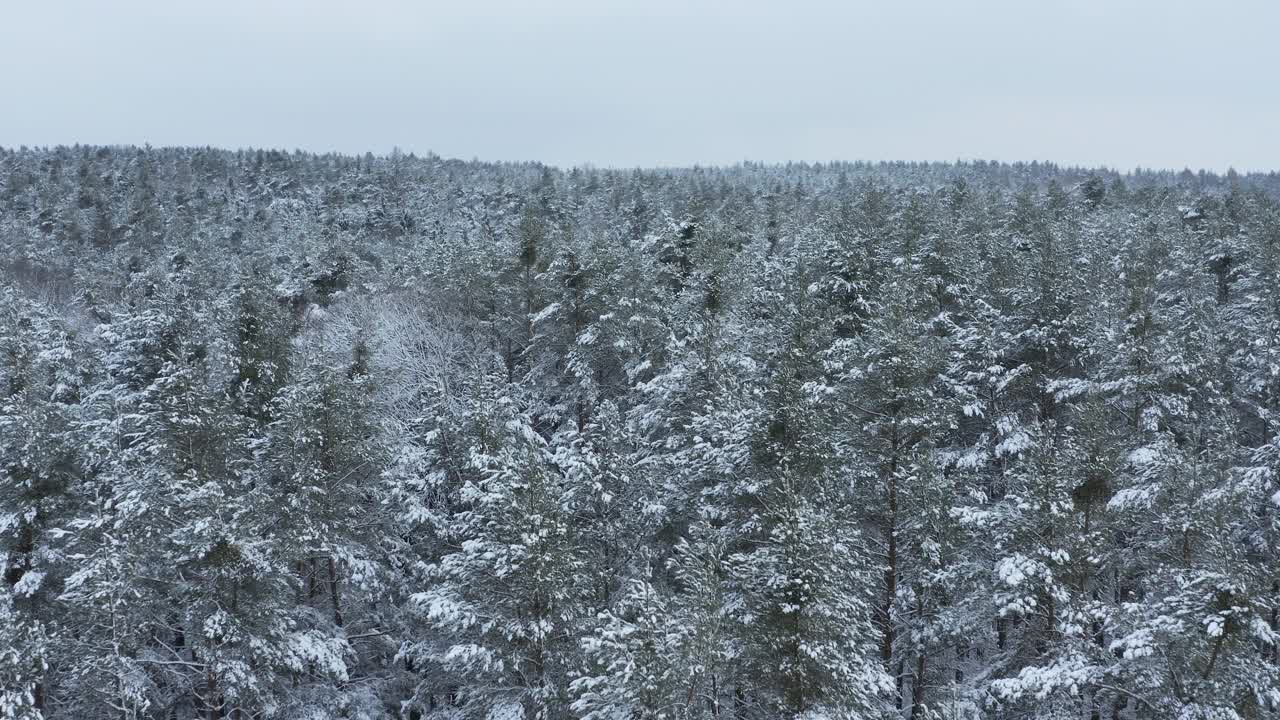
{"x": 300, "y": 436}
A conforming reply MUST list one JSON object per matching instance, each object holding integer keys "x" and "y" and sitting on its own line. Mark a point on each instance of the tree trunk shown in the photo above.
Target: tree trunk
{"x": 333, "y": 592}
{"x": 1275, "y": 621}
{"x": 891, "y": 569}
{"x": 917, "y": 688}
{"x": 213, "y": 703}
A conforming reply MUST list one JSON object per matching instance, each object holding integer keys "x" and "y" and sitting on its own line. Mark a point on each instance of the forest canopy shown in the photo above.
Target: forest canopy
{"x": 286, "y": 435}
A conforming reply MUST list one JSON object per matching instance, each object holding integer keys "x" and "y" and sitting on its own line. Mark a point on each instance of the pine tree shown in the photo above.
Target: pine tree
{"x": 40, "y": 386}
{"x": 150, "y": 543}
{"x": 507, "y": 596}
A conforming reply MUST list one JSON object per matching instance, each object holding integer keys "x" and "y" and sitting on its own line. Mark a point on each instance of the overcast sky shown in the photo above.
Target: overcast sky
{"x": 1120, "y": 83}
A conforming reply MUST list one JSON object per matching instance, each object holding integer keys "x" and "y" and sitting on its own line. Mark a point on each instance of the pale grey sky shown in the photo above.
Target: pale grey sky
{"x": 1158, "y": 83}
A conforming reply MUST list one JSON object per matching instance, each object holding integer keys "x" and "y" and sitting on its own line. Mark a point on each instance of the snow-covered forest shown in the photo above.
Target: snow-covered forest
{"x": 302, "y": 436}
